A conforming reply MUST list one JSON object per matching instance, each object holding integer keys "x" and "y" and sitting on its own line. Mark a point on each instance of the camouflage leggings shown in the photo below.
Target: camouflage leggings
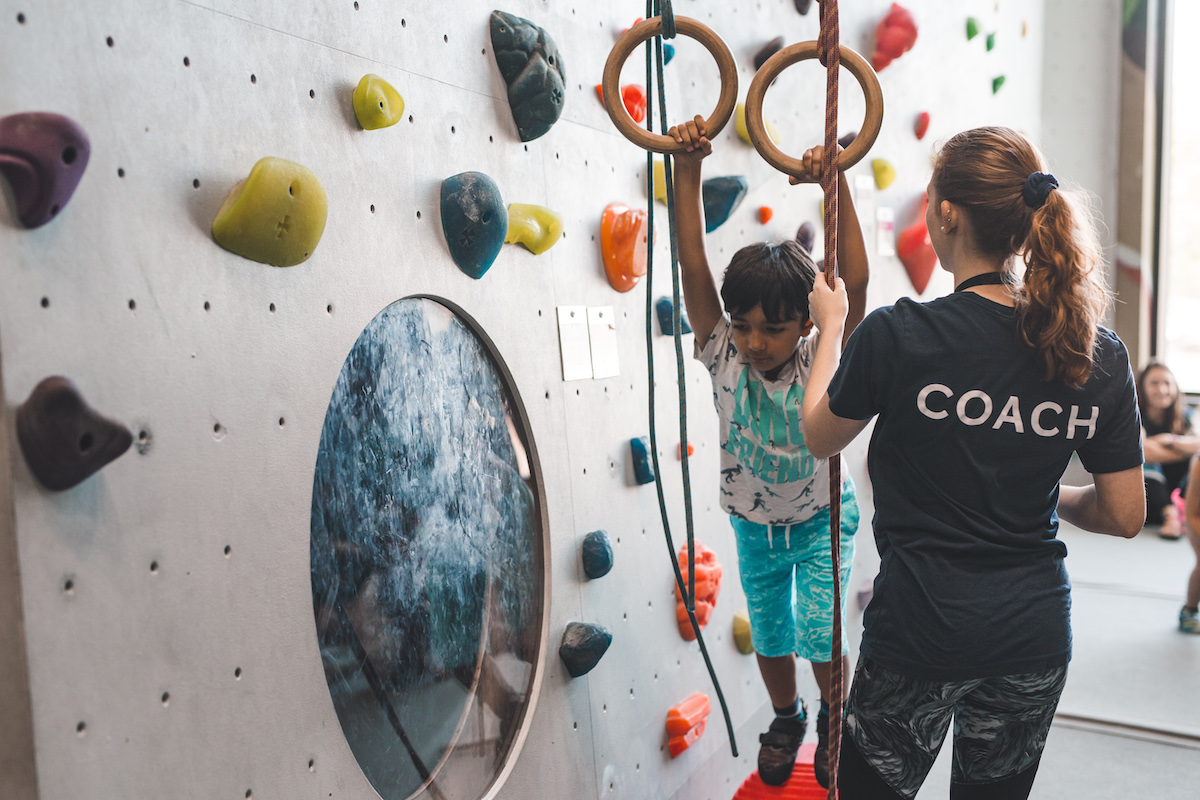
{"x": 1000, "y": 724}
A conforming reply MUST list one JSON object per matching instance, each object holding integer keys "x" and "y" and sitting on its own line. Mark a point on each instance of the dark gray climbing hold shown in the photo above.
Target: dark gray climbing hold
{"x": 597, "y": 554}
{"x": 43, "y": 156}
{"x": 721, "y": 197}
{"x": 643, "y": 466}
{"x": 583, "y": 645}
{"x": 665, "y": 308}
{"x": 803, "y": 6}
{"x": 806, "y": 237}
{"x": 63, "y": 439}
{"x": 848, "y": 139}
{"x": 474, "y": 221}
{"x": 668, "y": 53}
{"x": 767, "y": 50}
{"x": 532, "y": 69}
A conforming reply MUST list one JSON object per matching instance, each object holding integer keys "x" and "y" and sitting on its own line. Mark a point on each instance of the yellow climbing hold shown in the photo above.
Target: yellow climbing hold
{"x": 376, "y": 103}
{"x": 741, "y": 632}
{"x": 739, "y": 122}
{"x": 660, "y": 180}
{"x": 276, "y": 215}
{"x": 536, "y": 227}
{"x": 885, "y": 173}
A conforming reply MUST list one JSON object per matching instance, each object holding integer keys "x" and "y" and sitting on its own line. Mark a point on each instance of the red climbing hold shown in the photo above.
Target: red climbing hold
{"x": 634, "y": 98}
{"x": 895, "y": 36}
{"x": 801, "y": 786}
{"x": 916, "y": 252}
{"x": 921, "y": 126}
{"x": 708, "y": 588}
{"x": 679, "y": 451}
{"x": 685, "y": 722}
{"x": 623, "y": 239}
{"x": 765, "y": 213}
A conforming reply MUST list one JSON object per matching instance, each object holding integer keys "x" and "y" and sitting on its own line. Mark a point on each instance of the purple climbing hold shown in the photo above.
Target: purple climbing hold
{"x": 643, "y": 466}
{"x": 43, "y": 155}
{"x": 63, "y": 439}
{"x": 848, "y": 139}
{"x": 767, "y": 50}
{"x": 803, "y": 6}
{"x": 807, "y": 235}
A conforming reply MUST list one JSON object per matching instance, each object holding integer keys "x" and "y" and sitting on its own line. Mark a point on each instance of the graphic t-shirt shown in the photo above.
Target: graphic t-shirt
{"x": 965, "y": 462}
{"x": 767, "y": 474}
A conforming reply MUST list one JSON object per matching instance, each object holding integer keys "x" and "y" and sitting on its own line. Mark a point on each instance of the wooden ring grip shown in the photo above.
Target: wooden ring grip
{"x": 770, "y": 70}
{"x": 656, "y": 142}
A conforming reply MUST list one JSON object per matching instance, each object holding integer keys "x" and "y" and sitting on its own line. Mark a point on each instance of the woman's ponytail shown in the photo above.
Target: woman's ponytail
{"x": 996, "y": 176}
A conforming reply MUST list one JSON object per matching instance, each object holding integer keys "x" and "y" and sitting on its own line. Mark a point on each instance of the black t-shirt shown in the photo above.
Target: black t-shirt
{"x": 965, "y": 460}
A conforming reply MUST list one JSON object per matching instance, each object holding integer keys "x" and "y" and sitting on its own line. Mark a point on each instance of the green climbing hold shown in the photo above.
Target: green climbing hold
{"x": 536, "y": 227}
{"x": 376, "y": 103}
{"x": 276, "y": 215}
{"x": 997, "y": 82}
{"x": 972, "y": 28}
{"x": 991, "y": 41}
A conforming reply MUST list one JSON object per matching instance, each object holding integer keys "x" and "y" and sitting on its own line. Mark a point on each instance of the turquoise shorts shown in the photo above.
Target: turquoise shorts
{"x": 787, "y": 575}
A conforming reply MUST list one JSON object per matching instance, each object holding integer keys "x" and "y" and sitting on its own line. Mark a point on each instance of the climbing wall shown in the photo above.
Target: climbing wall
{"x": 157, "y": 633}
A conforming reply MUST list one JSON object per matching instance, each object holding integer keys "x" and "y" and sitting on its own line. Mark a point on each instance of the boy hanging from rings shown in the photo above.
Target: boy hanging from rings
{"x": 758, "y": 349}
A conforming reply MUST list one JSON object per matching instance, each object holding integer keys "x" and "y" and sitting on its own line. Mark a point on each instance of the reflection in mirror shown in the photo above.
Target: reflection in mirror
{"x": 426, "y": 556}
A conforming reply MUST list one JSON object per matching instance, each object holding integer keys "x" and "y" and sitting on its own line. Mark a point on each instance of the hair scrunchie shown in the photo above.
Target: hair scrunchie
{"x": 1038, "y": 187}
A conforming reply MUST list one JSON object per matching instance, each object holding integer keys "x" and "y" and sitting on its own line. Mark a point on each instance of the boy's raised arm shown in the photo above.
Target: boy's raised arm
{"x": 699, "y": 289}
{"x": 853, "y": 268}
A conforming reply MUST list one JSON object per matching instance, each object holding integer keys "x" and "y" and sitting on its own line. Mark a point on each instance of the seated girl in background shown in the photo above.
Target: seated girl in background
{"x": 1168, "y": 442}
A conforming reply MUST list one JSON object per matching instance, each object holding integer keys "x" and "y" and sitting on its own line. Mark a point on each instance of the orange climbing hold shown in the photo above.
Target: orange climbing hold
{"x": 765, "y": 213}
{"x": 623, "y": 239}
{"x": 633, "y": 96}
{"x": 916, "y": 252}
{"x": 801, "y": 786}
{"x": 685, "y": 723}
{"x": 679, "y": 451}
{"x": 708, "y": 587}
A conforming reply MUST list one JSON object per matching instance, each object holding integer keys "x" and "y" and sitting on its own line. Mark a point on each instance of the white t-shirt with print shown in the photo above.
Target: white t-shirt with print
{"x": 767, "y": 474}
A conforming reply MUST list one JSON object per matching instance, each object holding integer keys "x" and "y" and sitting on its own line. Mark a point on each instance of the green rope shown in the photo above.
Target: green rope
{"x": 663, "y": 8}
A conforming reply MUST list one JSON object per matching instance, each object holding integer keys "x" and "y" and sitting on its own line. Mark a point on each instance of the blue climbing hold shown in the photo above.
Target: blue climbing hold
{"x": 583, "y": 645}
{"x": 665, "y": 308}
{"x": 668, "y": 53}
{"x": 532, "y": 69}
{"x": 643, "y": 466}
{"x": 597, "y": 554}
{"x": 721, "y": 197}
{"x": 474, "y": 220}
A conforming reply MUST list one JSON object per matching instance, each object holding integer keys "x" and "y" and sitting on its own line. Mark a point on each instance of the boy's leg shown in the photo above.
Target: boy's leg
{"x": 1000, "y": 730}
{"x": 814, "y": 608}
{"x": 766, "y": 574}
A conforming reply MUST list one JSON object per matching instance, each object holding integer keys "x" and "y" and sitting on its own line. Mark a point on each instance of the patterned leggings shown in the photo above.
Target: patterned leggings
{"x": 895, "y": 727}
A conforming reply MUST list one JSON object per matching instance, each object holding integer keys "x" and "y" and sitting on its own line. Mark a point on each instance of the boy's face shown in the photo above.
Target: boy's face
{"x": 766, "y": 344}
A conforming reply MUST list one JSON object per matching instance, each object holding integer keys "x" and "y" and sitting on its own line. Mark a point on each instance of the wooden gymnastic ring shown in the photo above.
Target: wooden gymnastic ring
{"x": 770, "y": 70}
{"x": 657, "y": 142}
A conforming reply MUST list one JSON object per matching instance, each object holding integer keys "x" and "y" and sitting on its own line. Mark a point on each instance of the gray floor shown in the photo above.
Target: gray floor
{"x": 1132, "y": 673}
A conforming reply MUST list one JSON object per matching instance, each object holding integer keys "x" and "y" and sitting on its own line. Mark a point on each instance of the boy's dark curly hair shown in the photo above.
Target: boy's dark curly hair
{"x": 778, "y": 277}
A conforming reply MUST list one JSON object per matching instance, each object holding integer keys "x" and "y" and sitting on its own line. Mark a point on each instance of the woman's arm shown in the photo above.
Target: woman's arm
{"x": 1166, "y": 448}
{"x": 1115, "y": 504}
{"x": 825, "y": 433}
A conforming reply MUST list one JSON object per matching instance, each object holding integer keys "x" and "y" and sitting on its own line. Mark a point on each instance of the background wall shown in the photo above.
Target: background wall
{"x": 202, "y": 353}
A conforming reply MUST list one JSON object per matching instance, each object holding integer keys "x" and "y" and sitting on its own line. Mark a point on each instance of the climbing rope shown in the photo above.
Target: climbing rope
{"x": 654, "y": 60}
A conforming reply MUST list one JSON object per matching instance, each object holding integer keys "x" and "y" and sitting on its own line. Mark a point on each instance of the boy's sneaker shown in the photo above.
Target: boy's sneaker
{"x": 779, "y": 745}
{"x": 1189, "y": 622}
{"x": 821, "y": 756}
